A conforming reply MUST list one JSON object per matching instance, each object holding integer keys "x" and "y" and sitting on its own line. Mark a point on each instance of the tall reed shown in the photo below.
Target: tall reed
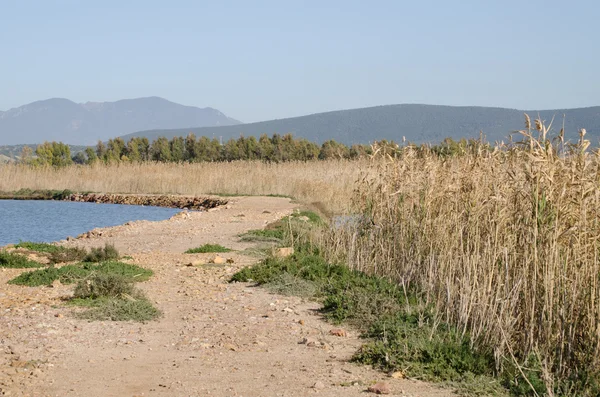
{"x": 503, "y": 242}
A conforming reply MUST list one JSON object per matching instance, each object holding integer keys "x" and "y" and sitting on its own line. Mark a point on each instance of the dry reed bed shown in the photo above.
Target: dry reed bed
{"x": 327, "y": 182}
{"x": 503, "y": 243}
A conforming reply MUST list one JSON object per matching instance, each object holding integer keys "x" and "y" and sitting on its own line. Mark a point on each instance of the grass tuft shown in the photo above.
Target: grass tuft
{"x": 112, "y": 297}
{"x": 63, "y": 255}
{"x": 73, "y": 273}
{"x": 115, "y": 309}
{"x": 206, "y": 248}
{"x": 16, "y": 261}
{"x": 39, "y": 247}
{"x": 106, "y": 253}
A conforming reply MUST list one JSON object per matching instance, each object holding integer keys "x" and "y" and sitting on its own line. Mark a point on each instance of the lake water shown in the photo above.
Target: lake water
{"x": 46, "y": 221}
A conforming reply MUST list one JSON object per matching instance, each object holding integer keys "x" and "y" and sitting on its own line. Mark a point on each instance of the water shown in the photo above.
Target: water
{"x": 47, "y": 221}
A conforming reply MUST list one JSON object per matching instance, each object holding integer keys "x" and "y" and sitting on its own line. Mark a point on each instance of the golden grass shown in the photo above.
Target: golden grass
{"x": 327, "y": 182}
{"x": 504, "y": 243}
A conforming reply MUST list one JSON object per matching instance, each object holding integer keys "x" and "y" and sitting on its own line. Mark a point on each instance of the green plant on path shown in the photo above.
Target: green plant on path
{"x": 73, "y": 273}
{"x": 206, "y": 248}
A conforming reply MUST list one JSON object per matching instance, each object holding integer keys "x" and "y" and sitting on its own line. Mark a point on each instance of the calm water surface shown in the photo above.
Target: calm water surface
{"x": 46, "y": 221}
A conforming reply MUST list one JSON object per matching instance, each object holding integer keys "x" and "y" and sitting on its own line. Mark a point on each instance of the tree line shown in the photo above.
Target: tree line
{"x": 276, "y": 148}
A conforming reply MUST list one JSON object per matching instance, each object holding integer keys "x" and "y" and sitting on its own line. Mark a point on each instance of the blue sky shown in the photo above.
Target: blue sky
{"x": 258, "y": 60}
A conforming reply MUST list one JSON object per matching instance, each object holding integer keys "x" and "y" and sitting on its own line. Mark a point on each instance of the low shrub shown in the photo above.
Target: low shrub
{"x": 115, "y": 309}
{"x": 16, "y": 261}
{"x": 63, "y": 255}
{"x": 39, "y": 247}
{"x": 72, "y": 273}
{"x": 103, "y": 285}
{"x": 206, "y": 248}
{"x": 107, "y": 253}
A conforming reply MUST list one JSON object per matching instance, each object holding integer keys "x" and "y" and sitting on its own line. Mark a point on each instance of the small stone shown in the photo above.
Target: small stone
{"x": 338, "y": 332}
{"x": 218, "y": 260}
{"x": 301, "y": 322}
{"x": 231, "y": 347}
{"x": 318, "y": 385}
{"x": 59, "y": 315}
{"x": 379, "y": 388}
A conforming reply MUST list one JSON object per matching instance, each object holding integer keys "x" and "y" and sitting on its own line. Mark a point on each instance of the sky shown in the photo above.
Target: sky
{"x": 260, "y": 60}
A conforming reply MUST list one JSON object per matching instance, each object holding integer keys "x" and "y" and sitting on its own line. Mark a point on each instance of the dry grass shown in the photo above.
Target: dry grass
{"x": 327, "y": 182}
{"x": 503, "y": 243}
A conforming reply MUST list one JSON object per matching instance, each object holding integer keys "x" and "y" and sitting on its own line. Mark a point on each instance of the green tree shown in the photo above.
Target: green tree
{"x": 191, "y": 145}
{"x": 56, "y": 154}
{"x": 177, "y": 146}
{"x": 160, "y": 150}
{"x": 100, "y": 150}
{"x": 91, "y": 155}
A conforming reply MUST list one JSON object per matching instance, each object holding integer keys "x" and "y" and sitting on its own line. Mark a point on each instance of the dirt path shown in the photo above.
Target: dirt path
{"x": 215, "y": 339}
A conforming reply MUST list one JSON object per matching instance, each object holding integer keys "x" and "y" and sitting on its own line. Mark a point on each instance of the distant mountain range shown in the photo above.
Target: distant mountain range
{"x": 417, "y": 123}
{"x": 86, "y": 123}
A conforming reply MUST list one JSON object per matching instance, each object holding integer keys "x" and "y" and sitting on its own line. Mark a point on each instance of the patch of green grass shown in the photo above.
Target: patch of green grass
{"x": 73, "y": 273}
{"x": 116, "y": 309}
{"x": 39, "y": 247}
{"x": 16, "y": 261}
{"x": 59, "y": 254}
{"x": 206, "y": 248}
{"x": 312, "y": 216}
{"x": 66, "y": 275}
{"x": 279, "y": 231}
{"x": 132, "y": 272}
{"x": 103, "y": 285}
{"x": 112, "y": 297}
{"x": 403, "y": 334}
{"x": 263, "y": 235}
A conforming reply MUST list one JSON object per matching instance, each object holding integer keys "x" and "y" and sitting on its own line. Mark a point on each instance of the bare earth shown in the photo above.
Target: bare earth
{"x": 215, "y": 338}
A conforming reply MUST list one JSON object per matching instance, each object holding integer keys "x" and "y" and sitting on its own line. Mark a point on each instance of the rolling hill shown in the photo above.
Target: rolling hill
{"x": 84, "y": 124}
{"x": 418, "y": 123}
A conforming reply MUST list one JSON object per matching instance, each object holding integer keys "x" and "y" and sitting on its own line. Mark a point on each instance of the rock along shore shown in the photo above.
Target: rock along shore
{"x": 169, "y": 201}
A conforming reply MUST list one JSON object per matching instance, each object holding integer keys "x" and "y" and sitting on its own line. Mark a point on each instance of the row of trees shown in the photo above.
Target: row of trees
{"x": 276, "y": 148}
{"x": 190, "y": 149}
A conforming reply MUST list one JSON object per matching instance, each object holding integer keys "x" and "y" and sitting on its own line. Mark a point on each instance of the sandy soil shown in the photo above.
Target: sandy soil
{"x": 215, "y": 339}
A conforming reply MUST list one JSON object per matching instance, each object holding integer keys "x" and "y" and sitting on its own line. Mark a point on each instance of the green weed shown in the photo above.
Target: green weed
{"x": 63, "y": 254}
{"x": 39, "y": 247}
{"x": 107, "y": 253}
{"x": 16, "y": 261}
{"x": 208, "y": 248}
{"x": 72, "y": 273}
{"x": 116, "y": 309}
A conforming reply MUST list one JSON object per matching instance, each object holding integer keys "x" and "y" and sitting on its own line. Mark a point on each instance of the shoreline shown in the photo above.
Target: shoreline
{"x": 154, "y": 200}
